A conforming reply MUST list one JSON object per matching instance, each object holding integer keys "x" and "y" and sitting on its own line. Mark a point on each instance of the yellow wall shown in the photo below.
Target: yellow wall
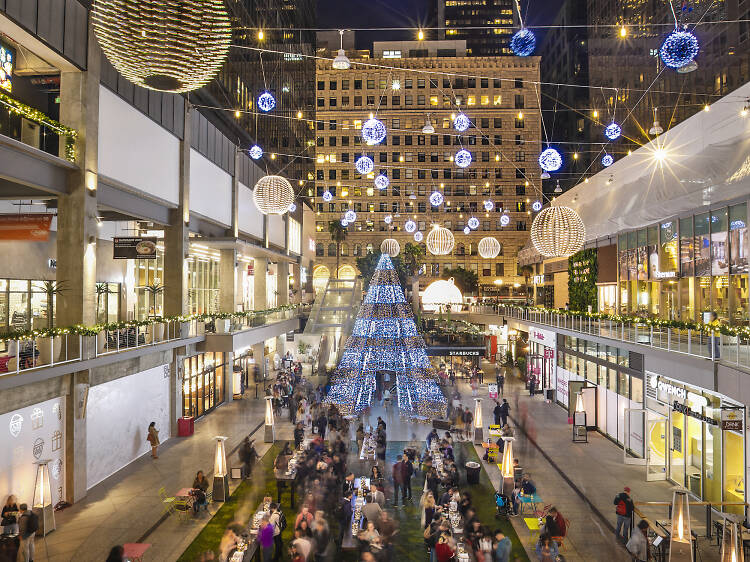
{"x": 561, "y": 289}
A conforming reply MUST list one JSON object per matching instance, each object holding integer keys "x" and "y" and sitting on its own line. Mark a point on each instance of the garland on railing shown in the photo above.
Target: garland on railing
{"x": 81, "y": 330}
{"x": 32, "y": 114}
{"x": 725, "y": 329}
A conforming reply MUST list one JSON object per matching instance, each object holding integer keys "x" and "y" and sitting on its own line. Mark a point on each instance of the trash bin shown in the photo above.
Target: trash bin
{"x": 472, "y": 472}
{"x": 185, "y": 426}
{"x": 550, "y": 394}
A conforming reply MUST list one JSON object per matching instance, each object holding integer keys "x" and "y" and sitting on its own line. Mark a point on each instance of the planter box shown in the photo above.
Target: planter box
{"x": 200, "y": 328}
{"x": 89, "y": 349}
{"x": 101, "y": 341}
{"x": 49, "y": 349}
{"x": 184, "y": 330}
{"x": 222, "y": 325}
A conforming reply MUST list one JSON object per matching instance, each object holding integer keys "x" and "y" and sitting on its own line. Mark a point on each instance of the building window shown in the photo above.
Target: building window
{"x": 518, "y": 123}
{"x": 518, "y": 101}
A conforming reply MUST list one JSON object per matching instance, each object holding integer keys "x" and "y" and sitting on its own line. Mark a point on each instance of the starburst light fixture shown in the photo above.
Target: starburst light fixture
{"x": 440, "y": 241}
{"x": 436, "y": 199}
{"x": 388, "y": 219}
{"x": 607, "y": 160}
{"x": 489, "y": 248}
{"x": 273, "y": 195}
{"x": 418, "y": 236}
{"x": 504, "y": 220}
{"x": 167, "y": 45}
{"x": 327, "y": 196}
{"x": 488, "y": 206}
{"x": 557, "y": 232}
{"x": 613, "y": 131}
{"x": 467, "y": 230}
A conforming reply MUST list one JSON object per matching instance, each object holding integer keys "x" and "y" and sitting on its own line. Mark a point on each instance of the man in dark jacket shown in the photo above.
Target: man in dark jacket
{"x": 248, "y": 455}
{"x": 345, "y": 516}
{"x": 624, "y": 511}
{"x": 504, "y": 411}
{"x": 299, "y": 435}
{"x": 497, "y": 412}
{"x": 399, "y": 476}
{"x": 408, "y": 472}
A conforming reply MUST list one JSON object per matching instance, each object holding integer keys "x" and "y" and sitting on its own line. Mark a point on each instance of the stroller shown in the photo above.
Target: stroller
{"x": 503, "y": 505}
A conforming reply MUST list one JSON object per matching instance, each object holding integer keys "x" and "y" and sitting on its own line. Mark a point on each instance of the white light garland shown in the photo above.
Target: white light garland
{"x": 489, "y": 248}
{"x": 440, "y": 241}
{"x": 557, "y": 232}
{"x": 273, "y": 195}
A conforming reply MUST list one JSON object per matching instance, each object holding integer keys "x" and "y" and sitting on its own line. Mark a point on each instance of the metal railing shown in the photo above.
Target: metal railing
{"x": 30, "y": 353}
{"x": 133, "y": 337}
{"x": 729, "y": 349}
{"x": 249, "y": 321}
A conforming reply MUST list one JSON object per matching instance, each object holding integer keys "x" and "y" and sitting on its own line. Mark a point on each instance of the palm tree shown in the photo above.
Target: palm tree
{"x": 154, "y": 289}
{"x": 527, "y": 271}
{"x": 338, "y": 234}
{"x": 413, "y": 260}
{"x": 52, "y": 289}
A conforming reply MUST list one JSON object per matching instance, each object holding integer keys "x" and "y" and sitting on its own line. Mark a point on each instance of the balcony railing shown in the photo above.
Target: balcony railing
{"x": 703, "y": 341}
{"x": 32, "y": 350}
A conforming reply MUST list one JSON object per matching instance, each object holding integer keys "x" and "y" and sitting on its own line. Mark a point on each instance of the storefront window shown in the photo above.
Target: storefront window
{"x": 623, "y": 385}
{"x": 203, "y": 383}
{"x": 712, "y": 460}
{"x": 702, "y": 246}
{"x": 149, "y": 273}
{"x": 668, "y": 247}
{"x": 107, "y": 302}
{"x": 636, "y": 388}
{"x": 203, "y": 285}
{"x": 734, "y": 473}
{"x": 738, "y": 264}
{"x": 676, "y": 448}
{"x": 687, "y": 298}
{"x": 687, "y": 245}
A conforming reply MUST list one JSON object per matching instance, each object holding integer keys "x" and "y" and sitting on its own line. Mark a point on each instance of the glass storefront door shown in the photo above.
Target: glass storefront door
{"x": 676, "y": 437}
{"x": 656, "y": 450}
{"x": 694, "y": 455}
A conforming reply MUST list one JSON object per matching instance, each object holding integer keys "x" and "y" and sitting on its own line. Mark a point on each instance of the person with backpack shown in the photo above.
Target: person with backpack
{"x": 504, "y": 412}
{"x": 278, "y": 520}
{"x": 28, "y": 525}
{"x": 624, "y": 511}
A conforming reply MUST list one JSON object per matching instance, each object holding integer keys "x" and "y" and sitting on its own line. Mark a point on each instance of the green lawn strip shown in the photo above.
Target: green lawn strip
{"x": 241, "y": 506}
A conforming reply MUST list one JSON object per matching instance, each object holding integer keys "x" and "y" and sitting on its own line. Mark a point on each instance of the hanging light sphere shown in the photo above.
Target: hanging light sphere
{"x": 550, "y": 160}
{"x": 489, "y": 248}
{"x": 467, "y": 230}
{"x": 266, "y": 101}
{"x": 364, "y": 165}
{"x": 418, "y": 236}
{"x": 461, "y": 122}
{"x": 488, "y": 206}
{"x": 341, "y": 62}
{"x": 327, "y": 196}
{"x": 344, "y": 223}
{"x": 292, "y": 207}
{"x": 442, "y": 293}
{"x": 373, "y": 131}
{"x": 167, "y": 45}
{"x": 462, "y": 158}
{"x": 505, "y": 220}
{"x": 436, "y": 199}
{"x": 350, "y": 216}
{"x": 523, "y": 43}
{"x": 607, "y": 160}
{"x": 679, "y": 49}
{"x": 410, "y": 226}
{"x": 256, "y": 152}
{"x": 613, "y": 131}
{"x": 473, "y": 223}
{"x": 440, "y": 241}
{"x": 381, "y": 181}
{"x": 273, "y": 195}
{"x": 388, "y": 219}
{"x": 390, "y": 246}
{"x": 557, "y": 232}
{"x": 536, "y": 206}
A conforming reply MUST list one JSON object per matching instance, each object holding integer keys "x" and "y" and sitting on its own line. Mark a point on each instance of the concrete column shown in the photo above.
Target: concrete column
{"x": 176, "y": 376}
{"x": 227, "y": 280}
{"x": 228, "y": 377}
{"x": 176, "y": 242}
{"x": 282, "y": 283}
{"x": 75, "y": 438}
{"x": 259, "y": 284}
{"x": 77, "y": 211}
{"x": 236, "y": 195}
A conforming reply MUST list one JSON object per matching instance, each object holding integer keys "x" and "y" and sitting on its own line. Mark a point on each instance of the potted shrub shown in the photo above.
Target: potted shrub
{"x": 50, "y": 345}
{"x": 102, "y": 289}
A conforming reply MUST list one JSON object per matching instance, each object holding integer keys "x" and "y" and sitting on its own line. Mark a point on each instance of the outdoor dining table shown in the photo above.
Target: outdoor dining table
{"x": 529, "y": 500}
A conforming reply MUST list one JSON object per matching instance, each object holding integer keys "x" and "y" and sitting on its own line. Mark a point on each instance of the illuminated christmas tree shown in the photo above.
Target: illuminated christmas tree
{"x": 385, "y": 338}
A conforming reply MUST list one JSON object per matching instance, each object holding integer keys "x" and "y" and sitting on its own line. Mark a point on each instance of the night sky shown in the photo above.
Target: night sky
{"x": 340, "y": 14}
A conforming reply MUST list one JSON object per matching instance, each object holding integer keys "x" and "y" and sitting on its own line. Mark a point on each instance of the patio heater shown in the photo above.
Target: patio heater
{"x": 731, "y": 542}
{"x": 507, "y": 470}
{"x": 680, "y": 540}
{"x": 580, "y": 434}
{"x": 478, "y": 425}
{"x": 221, "y": 480}
{"x": 42, "y": 504}
{"x": 268, "y": 436}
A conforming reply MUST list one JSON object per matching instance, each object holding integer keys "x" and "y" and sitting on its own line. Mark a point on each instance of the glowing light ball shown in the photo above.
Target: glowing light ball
{"x": 390, "y": 246}
{"x": 350, "y": 216}
{"x": 373, "y": 132}
{"x": 440, "y": 241}
{"x": 505, "y": 220}
{"x": 441, "y": 294}
{"x": 410, "y": 226}
{"x": 292, "y": 208}
{"x": 436, "y": 199}
{"x": 550, "y": 160}
{"x": 523, "y": 43}
{"x": 273, "y": 195}
{"x": 344, "y": 223}
{"x": 256, "y": 152}
{"x": 166, "y": 45}
{"x": 462, "y": 158}
{"x": 473, "y": 223}
{"x": 418, "y": 236}
{"x": 489, "y": 247}
{"x": 327, "y": 196}
{"x": 557, "y": 232}
{"x": 488, "y": 206}
{"x": 613, "y": 131}
{"x": 388, "y": 219}
{"x": 467, "y": 230}
{"x": 381, "y": 181}
{"x": 364, "y": 165}
{"x": 536, "y": 206}
{"x": 266, "y": 101}
{"x": 607, "y": 160}
{"x": 679, "y": 49}
{"x": 461, "y": 122}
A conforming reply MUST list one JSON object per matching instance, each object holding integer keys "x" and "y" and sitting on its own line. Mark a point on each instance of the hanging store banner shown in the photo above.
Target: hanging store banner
{"x": 134, "y": 247}
{"x": 25, "y": 226}
{"x": 731, "y": 419}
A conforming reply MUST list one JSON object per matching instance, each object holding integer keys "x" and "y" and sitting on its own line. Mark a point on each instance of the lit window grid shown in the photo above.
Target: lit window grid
{"x": 508, "y": 236}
